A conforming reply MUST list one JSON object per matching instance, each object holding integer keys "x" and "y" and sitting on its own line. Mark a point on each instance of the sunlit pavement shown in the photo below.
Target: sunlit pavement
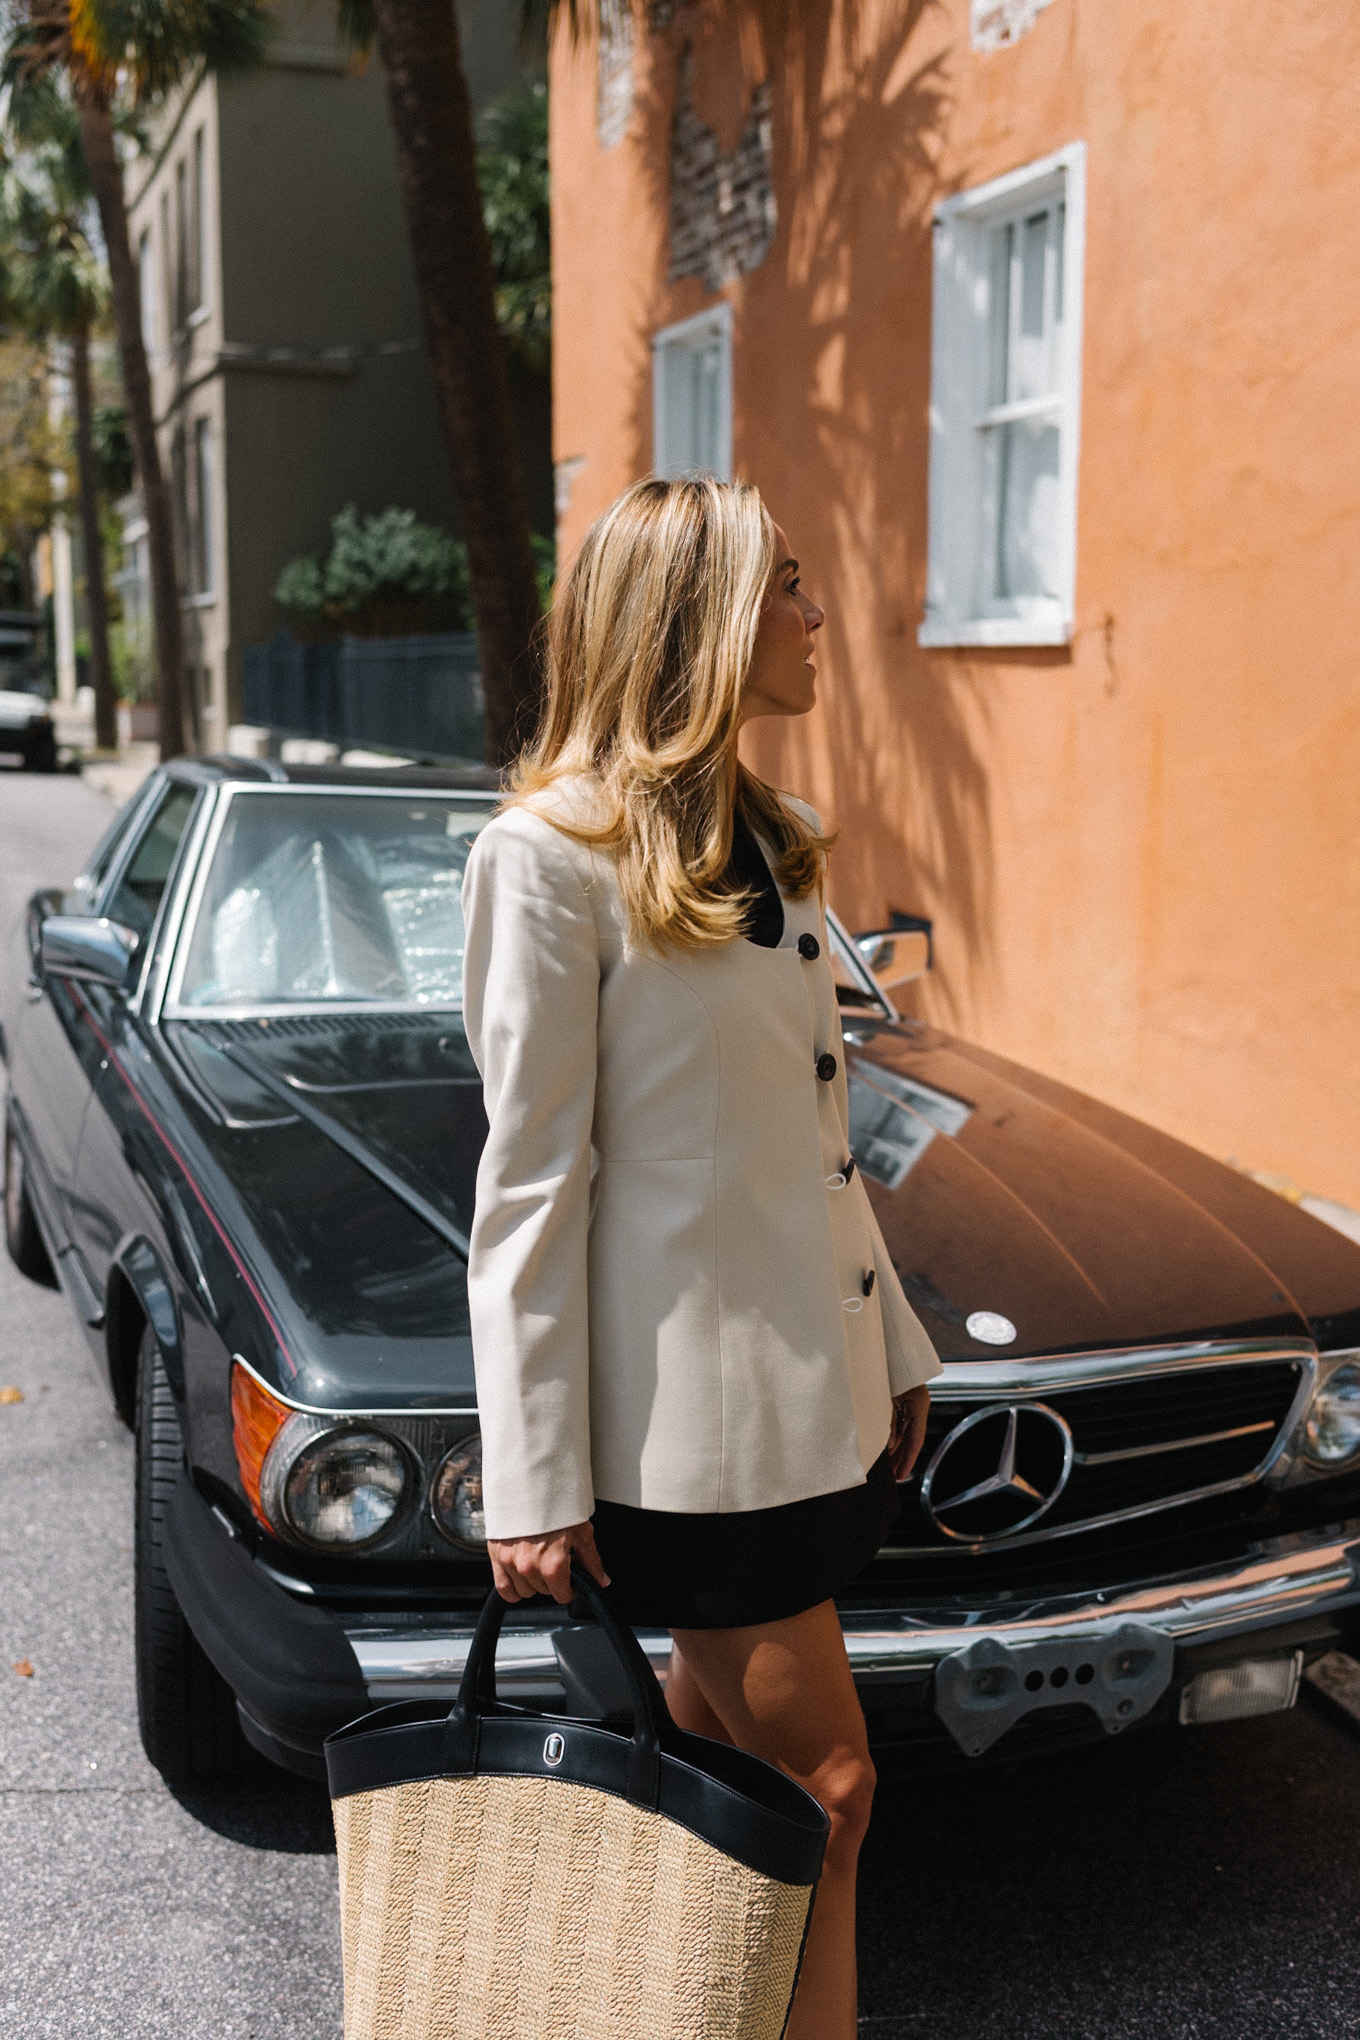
{"x": 125, "y": 1910}
{"x": 1196, "y": 1882}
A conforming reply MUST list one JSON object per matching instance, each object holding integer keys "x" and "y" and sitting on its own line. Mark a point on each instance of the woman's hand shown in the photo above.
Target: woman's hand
{"x": 909, "y": 1429}
{"x": 523, "y": 1566}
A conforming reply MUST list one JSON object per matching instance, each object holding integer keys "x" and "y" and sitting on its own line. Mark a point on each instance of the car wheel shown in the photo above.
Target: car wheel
{"x": 43, "y": 757}
{"x": 186, "y": 1711}
{"x": 22, "y": 1238}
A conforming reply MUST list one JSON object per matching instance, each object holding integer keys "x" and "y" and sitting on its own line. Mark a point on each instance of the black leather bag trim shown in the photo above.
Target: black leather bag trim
{"x": 729, "y": 1798}
{"x": 769, "y": 1840}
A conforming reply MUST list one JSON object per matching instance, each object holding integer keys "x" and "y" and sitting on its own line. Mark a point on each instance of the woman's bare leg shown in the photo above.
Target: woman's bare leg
{"x": 688, "y": 1707}
{"x": 784, "y": 1691}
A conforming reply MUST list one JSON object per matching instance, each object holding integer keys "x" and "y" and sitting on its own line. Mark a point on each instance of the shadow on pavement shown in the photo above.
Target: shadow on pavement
{"x": 270, "y": 1810}
{"x": 1199, "y": 1882}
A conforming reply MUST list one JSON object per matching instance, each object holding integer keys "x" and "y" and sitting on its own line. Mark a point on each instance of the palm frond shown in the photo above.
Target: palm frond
{"x": 37, "y": 41}
{"x": 159, "y": 42}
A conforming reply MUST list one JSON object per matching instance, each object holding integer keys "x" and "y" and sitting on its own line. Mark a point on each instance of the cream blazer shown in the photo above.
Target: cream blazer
{"x": 678, "y": 1298}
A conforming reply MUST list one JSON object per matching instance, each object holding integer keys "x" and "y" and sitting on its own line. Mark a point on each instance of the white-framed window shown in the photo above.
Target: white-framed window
{"x": 692, "y": 396}
{"x": 1005, "y": 408}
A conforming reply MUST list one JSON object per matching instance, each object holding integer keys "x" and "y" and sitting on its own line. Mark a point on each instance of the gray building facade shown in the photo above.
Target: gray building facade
{"x": 284, "y": 331}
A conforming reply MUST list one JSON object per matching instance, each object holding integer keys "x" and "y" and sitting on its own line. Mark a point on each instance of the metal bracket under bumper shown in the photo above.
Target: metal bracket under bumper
{"x": 984, "y": 1690}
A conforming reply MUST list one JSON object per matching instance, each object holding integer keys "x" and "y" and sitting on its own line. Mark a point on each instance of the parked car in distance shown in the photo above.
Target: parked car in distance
{"x": 27, "y": 735}
{"x": 242, "y": 1132}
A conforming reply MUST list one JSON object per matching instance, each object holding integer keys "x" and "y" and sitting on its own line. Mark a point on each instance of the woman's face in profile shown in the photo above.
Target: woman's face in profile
{"x": 783, "y": 679}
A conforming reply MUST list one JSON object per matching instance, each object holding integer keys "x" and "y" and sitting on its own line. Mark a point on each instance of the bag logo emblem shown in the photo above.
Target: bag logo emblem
{"x": 554, "y": 1749}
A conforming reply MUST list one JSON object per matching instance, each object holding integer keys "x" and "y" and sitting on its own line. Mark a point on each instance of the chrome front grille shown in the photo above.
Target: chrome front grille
{"x": 1022, "y": 1451}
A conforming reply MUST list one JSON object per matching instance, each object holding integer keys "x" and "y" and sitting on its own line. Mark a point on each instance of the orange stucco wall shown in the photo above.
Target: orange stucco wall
{"x": 1142, "y": 853}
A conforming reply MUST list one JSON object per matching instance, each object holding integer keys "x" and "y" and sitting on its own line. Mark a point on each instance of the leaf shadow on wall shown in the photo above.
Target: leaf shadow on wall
{"x": 831, "y": 377}
{"x": 832, "y": 403}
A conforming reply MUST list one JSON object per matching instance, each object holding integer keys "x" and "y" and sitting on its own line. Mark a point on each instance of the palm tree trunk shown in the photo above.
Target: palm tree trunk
{"x": 106, "y": 176}
{"x": 437, "y": 161}
{"x": 96, "y": 600}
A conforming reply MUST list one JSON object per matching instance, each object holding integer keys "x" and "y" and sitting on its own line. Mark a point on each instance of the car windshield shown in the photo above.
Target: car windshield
{"x": 328, "y": 898}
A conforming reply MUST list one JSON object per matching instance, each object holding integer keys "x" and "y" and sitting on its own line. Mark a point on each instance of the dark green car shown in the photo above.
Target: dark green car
{"x": 242, "y": 1131}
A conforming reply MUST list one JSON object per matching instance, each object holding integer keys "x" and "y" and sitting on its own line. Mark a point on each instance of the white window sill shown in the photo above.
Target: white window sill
{"x": 207, "y": 601}
{"x": 997, "y": 630}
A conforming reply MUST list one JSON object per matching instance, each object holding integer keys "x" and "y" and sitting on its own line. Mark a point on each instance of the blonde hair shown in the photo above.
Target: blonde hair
{"x": 649, "y": 647}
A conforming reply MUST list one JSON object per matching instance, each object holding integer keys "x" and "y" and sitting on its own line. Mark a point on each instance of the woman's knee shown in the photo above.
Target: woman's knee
{"x": 845, "y": 1788}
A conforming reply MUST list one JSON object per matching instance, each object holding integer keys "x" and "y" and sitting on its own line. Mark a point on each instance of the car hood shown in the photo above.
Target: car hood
{"x": 998, "y": 1191}
{"x": 1003, "y": 1193}
{"x": 347, "y": 1153}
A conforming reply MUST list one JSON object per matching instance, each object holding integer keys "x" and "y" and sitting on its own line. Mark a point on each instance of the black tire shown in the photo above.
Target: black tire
{"x": 22, "y": 1238}
{"x": 186, "y": 1711}
{"x": 43, "y": 757}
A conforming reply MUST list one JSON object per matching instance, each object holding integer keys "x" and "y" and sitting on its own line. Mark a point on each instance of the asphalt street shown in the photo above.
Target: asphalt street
{"x": 1185, "y": 1883}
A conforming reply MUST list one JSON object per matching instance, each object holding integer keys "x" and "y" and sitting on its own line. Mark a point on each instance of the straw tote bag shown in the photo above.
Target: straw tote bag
{"x": 508, "y": 1875}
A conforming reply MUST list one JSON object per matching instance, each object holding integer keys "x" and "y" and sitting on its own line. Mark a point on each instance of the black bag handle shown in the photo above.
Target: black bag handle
{"x": 653, "y": 1729}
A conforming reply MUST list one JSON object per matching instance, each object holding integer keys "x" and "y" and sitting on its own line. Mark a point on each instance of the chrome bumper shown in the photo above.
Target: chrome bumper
{"x": 1293, "y": 1578}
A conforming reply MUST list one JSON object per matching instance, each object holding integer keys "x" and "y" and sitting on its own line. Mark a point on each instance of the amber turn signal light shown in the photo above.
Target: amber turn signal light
{"x": 257, "y": 1417}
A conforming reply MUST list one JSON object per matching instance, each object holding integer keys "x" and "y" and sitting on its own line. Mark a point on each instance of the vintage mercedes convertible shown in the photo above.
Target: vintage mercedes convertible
{"x": 242, "y": 1132}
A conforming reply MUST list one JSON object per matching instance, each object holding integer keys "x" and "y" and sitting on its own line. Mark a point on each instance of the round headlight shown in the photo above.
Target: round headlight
{"x": 1333, "y": 1430}
{"x": 456, "y": 1494}
{"x": 344, "y": 1488}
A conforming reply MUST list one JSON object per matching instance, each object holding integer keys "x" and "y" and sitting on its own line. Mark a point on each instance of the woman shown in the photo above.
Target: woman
{"x": 696, "y": 1368}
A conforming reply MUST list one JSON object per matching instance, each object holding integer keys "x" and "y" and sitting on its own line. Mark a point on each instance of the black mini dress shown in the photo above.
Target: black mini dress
{"x": 672, "y": 1569}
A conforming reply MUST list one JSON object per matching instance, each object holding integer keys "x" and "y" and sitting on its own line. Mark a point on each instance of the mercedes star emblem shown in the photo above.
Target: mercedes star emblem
{"x": 997, "y": 1472}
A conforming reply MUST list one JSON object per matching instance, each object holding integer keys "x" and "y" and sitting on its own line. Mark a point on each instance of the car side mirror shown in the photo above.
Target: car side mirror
{"x": 93, "y": 952}
{"x": 894, "y": 956}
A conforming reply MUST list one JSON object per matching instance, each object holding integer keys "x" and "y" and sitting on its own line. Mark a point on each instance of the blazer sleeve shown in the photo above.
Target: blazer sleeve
{"x": 912, "y": 1358}
{"x": 530, "y": 999}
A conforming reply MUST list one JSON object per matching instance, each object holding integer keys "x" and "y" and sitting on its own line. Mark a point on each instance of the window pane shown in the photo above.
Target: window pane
{"x": 1034, "y": 241}
{"x": 1032, "y": 366}
{"x": 691, "y": 400}
{"x": 706, "y": 375}
{"x": 317, "y": 897}
{"x": 146, "y": 272}
{"x": 138, "y": 894}
{"x": 692, "y": 381}
{"x": 203, "y": 490}
{"x": 677, "y": 406}
{"x": 106, "y": 850}
{"x": 196, "y": 226}
{"x": 167, "y": 292}
{"x": 179, "y": 483}
{"x": 181, "y": 245}
{"x": 999, "y": 313}
{"x": 1028, "y": 524}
